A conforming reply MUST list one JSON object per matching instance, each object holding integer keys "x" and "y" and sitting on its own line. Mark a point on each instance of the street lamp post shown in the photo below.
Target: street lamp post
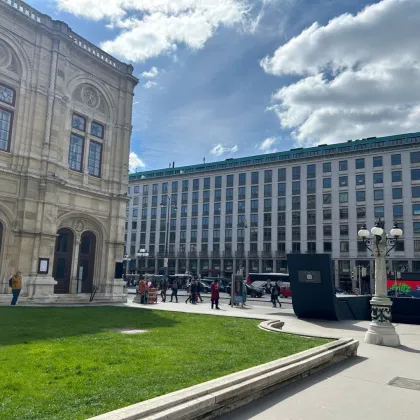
{"x": 168, "y": 215}
{"x": 381, "y": 331}
{"x": 243, "y": 225}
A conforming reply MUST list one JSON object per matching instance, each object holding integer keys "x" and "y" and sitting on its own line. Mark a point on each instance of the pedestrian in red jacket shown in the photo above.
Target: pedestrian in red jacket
{"x": 215, "y": 294}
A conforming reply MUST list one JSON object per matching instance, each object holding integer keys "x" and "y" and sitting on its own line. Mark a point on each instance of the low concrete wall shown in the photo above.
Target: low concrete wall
{"x": 211, "y": 399}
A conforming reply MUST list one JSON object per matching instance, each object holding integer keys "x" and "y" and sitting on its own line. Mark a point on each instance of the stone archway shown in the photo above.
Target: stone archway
{"x": 63, "y": 257}
{"x": 86, "y": 264}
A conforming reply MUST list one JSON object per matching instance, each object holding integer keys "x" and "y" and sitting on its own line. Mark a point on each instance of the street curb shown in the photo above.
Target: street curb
{"x": 211, "y": 399}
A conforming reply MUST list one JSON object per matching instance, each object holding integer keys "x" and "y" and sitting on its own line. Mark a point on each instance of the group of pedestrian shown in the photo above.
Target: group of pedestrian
{"x": 194, "y": 292}
{"x": 275, "y": 295}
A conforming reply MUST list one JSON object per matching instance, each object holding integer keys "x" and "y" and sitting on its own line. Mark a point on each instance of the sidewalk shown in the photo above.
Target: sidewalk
{"x": 353, "y": 390}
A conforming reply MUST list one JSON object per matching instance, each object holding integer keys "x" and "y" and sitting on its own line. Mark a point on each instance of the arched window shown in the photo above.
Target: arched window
{"x": 7, "y": 108}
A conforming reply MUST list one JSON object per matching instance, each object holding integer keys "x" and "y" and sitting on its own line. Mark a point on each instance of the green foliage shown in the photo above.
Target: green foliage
{"x": 72, "y": 363}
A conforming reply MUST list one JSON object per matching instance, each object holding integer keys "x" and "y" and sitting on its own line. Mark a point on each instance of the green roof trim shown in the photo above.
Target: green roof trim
{"x": 297, "y": 153}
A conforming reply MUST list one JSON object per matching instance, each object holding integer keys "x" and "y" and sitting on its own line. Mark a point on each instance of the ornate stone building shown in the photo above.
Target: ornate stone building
{"x": 65, "y": 126}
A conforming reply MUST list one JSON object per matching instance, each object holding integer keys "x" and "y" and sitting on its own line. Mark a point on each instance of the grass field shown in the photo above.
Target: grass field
{"x": 70, "y": 363}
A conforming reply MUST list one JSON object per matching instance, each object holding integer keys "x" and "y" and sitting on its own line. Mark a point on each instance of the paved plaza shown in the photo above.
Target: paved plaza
{"x": 355, "y": 389}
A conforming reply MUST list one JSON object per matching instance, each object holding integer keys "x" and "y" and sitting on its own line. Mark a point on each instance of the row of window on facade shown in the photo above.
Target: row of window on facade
{"x": 78, "y": 138}
{"x": 268, "y": 175}
{"x": 282, "y": 190}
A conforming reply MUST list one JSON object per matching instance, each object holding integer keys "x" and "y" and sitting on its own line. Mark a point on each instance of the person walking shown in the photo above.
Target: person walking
{"x": 198, "y": 284}
{"x": 163, "y": 289}
{"x": 274, "y": 295}
{"x": 214, "y": 288}
{"x": 142, "y": 291}
{"x": 193, "y": 290}
{"x": 174, "y": 290}
{"x": 278, "y": 293}
{"x": 16, "y": 283}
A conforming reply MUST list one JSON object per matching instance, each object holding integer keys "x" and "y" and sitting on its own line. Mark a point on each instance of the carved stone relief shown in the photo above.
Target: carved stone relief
{"x": 91, "y": 97}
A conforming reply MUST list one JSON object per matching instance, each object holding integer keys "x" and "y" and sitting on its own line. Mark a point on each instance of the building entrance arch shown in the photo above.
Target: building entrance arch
{"x": 63, "y": 257}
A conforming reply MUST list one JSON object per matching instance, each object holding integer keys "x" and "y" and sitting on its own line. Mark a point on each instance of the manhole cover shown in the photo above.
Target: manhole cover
{"x": 405, "y": 383}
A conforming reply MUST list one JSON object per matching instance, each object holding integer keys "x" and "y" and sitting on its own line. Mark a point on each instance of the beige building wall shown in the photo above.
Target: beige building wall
{"x": 54, "y": 73}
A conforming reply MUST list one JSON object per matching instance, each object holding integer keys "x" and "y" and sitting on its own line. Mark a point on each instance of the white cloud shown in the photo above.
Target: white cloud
{"x": 151, "y": 74}
{"x": 149, "y": 84}
{"x": 135, "y": 162}
{"x": 266, "y": 146}
{"x": 360, "y": 75}
{"x": 154, "y": 27}
{"x": 219, "y": 149}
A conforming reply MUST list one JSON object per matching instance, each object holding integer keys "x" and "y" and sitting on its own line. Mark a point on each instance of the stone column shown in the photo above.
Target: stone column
{"x": 381, "y": 331}
{"x": 75, "y": 266}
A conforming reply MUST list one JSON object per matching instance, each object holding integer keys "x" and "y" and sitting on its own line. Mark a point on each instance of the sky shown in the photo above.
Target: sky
{"x": 232, "y": 78}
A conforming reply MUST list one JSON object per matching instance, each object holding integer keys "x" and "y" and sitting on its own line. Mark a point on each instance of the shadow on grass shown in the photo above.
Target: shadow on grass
{"x": 21, "y": 325}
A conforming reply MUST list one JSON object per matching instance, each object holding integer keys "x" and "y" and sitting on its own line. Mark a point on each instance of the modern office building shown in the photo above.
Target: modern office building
{"x": 65, "y": 127}
{"x": 260, "y": 208}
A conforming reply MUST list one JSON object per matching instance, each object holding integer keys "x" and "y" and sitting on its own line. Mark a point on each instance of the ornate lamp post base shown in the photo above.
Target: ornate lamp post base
{"x": 381, "y": 331}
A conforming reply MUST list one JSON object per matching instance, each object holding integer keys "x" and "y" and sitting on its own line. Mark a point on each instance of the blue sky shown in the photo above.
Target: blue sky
{"x": 205, "y": 92}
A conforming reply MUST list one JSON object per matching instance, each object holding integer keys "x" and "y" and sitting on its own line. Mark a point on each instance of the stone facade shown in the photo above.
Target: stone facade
{"x": 48, "y": 74}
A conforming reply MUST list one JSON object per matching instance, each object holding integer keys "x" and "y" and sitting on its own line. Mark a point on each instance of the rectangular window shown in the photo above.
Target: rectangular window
{"x": 184, "y": 198}
{"x": 395, "y": 160}
{"x": 415, "y": 192}
{"x": 397, "y": 211}
{"x": 228, "y": 235}
{"x": 416, "y": 227}
{"x": 327, "y": 214}
{"x": 415, "y": 174}
{"x": 268, "y": 204}
{"x": 327, "y": 230}
{"x": 175, "y": 186}
{"x": 281, "y": 203}
{"x": 343, "y": 181}
{"x": 296, "y": 247}
{"x": 281, "y": 189}
{"x": 196, "y": 184}
{"x": 311, "y": 171}
{"x": 378, "y": 195}
{"x": 267, "y": 190}
{"x": 360, "y": 179}
{"x": 97, "y": 130}
{"x": 311, "y": 201}
{"x": 78, "y": 122}
{"x": 326, "y": 198}
{"x": 94, "y": 159}
{"x": 145, "y": 189}
{"x": 344, "y": 246}
{"x": 360, "y": 195}
{"x": 326, "y": 167}
{"x": 135, "y": 212}
{"x": 268, "y": 175}
{"x": 282, "y": 174}
{"x": 379, "y": 211}
{"x": 326, "y": 182}
{"x": 281, "y": 219}
{"x": 378, "y": 178}
{"x": 155, "y": 189}
{"x": 254, "y": 206}
{"x": 377, "y": 161}
{"x": 267, "y": 219}
{"x": 416, "y": 209}
{"x": 206, "y": 209}
{"x": 311, "y": 186}
{"x": 327, "y": 246}
{"x": 6, "y": 119}
{"x": 206, "y": 183}
{"x": 254, "y": 178}
{"x": 296, "y": 172}
{"x": 229, "y": 207}
{"x": 295, "y": 203}
{"x": 344, "y": 230}
{"x": 165, "y": 188}
{"x": 396, "y": 176}
{"x": 296, "y": 233}
{"x": 311, "y": 232}
{"x": 218, "y": 182}
{"x": 136, "y": 189}
{"x": 296, "y": 188}
{"x": 217, "y": 195}
{"x": 241, "y": 206}
{"x": 344, "y": 197}
{"x": 342, "y": 165}
{"x": 361, "y": 212}
{"x": 229, "y": 180}
{"x": 295, "y": 218}
{"x": 184, "y": 185}
{"x": 360, "y": 163}
{"x": 229, "y": 193}
{"x": 311, "y": 217}
{"x": 415, "y": 157}
{"x": 7, "y": 95}
{"x": 344, "y": 213}
{"x": 217, "y": 208}
{"x": 242, "y": 179}
{"x": 76, "y": 152}
{"x": 281, "y": 235}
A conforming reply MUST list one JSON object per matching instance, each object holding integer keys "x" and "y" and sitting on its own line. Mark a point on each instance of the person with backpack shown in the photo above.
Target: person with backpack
{"x": 15, "y": 283}
{"x": 174, "y": 290}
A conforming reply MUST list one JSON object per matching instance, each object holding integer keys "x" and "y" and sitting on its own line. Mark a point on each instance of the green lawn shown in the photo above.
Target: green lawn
{"x": 67, "y": 363}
